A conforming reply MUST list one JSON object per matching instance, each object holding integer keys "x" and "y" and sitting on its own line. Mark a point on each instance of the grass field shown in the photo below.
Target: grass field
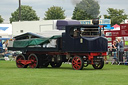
{"x": 65, "y": 75}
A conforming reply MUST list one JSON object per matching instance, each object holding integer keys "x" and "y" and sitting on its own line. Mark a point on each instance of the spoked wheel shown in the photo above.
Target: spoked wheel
{"x": 19, "y": 59}
{"x": 99, "y": 64}
{"x": 56, "y": 61}
{"x": 77, "y": 63}
{"x": 34, "y": 61}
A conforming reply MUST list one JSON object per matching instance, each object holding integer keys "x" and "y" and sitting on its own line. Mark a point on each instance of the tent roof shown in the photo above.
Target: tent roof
{"x": 116, "y": 25}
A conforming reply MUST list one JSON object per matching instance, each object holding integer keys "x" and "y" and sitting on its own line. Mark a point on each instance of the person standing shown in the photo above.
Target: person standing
{"x": 4, "y": 47}
{"x": 120, "y": 49}
{"x": 5, "y": 51}
{"x": 114, "y": 51}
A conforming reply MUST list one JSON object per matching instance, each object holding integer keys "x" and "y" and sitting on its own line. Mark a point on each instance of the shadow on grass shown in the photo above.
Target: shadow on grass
{"x": 60, "y": 68}
{"x": 51, "y": 68}
{"x": 12, "y": 65}
{"x": 64, "y": 68}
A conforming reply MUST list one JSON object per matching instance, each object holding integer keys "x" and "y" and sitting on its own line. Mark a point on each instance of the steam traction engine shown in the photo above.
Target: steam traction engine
{"x": 79, "y": 44}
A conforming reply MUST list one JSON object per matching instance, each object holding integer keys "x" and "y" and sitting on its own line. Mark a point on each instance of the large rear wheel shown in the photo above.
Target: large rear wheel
{"x": 77, "y": 63}
{"x": 19, "y": 59}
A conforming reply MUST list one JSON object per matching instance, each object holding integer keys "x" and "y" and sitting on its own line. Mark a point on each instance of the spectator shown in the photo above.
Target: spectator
{"x": 120, "y": 49}
{"x": 4, "y": 47}
{"x": 5, "y": 53}
{"x": 114, "y": 51}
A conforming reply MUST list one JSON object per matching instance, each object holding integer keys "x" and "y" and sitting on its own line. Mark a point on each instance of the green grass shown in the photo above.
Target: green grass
{"x": 65, "y": 75}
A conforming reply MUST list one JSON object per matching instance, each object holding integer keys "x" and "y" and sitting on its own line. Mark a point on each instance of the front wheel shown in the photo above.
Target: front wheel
{"x": 99, "y": 64}
{"x": 77, "y": 63}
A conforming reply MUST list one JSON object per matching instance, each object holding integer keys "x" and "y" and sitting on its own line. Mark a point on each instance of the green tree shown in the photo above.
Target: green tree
{"x": 78, "y": 14}
{"x": 1, "y": 19}
{"x": 54, "y": 12}
{"x": 86, "y": 9}
{"x": 116, "y": 15}
{"x": 27, "y": 14}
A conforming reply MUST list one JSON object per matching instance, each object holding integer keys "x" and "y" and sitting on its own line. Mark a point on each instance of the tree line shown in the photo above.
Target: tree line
{"x": 86, "y": 9}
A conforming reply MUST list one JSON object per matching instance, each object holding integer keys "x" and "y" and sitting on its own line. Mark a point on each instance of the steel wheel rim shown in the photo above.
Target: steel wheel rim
{"x": 34, "y": 61}
{"x": 18, "y": 61}
{"x": 76, "y": 63}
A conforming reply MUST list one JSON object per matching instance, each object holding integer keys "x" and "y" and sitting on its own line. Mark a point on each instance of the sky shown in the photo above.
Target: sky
{"x": 40, "y": 6}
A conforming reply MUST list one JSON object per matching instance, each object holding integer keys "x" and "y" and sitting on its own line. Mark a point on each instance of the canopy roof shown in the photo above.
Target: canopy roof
{"x": 67, "y": 22}
{"x": 4, "y": 38}
{"x": 27, "y": 35}
{"x": 3, "y": 28}
{"x": 116, "y": 25}
{"x": 33, "y": 41}
{"x": 62, "y": 23}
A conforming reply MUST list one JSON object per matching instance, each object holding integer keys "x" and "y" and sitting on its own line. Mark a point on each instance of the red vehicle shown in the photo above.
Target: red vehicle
{"x": 113, "y": 34}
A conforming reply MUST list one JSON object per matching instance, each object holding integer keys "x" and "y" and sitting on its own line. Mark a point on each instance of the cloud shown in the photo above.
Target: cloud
{"x": 117, "y": 4}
